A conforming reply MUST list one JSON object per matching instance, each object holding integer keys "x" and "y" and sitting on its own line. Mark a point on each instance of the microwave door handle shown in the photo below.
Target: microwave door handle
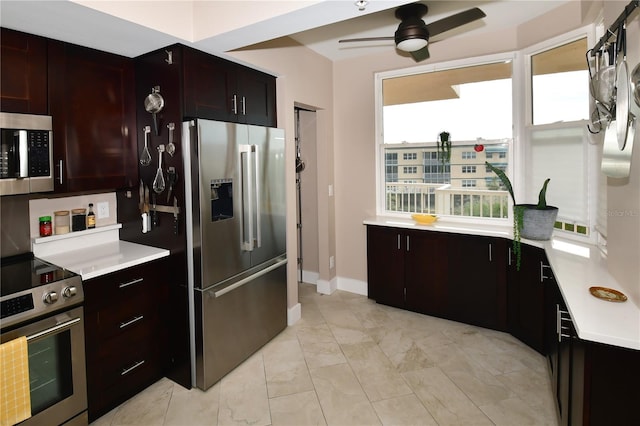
{"x": 247, "y": 202}
{"x": 258, "y": 195}
{"x": 60, "y": 176}
{"x": 21, "y": 154}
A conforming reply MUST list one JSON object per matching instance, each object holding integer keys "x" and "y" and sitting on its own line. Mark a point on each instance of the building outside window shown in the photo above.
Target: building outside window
{"x": 468, "y": 169}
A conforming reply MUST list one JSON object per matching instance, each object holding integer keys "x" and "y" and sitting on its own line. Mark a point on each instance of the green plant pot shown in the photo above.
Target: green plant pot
{"x": 537, "y": 224}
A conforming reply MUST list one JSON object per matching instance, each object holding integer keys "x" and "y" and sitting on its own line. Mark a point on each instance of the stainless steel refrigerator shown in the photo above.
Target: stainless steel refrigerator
{"x": 235, "y": 213}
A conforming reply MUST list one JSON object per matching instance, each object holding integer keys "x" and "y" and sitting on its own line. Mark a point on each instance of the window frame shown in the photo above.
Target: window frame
{"x": 442, "y": 66}
{"x": 590, "y": 146}
{"x": 522, "y": 123}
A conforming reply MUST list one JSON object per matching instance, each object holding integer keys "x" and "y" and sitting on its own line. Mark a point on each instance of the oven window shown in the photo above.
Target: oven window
{"x": 50, "y": 371}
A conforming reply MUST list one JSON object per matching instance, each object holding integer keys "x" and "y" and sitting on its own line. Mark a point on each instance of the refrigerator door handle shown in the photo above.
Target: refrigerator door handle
{"x": 248, "y": 279}
{"x": 258, "y": 192}
{"x": 247, "y": 198}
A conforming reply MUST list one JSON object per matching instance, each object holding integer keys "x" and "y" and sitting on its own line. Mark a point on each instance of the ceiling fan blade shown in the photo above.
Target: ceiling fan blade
{"x": 349, "y": 40}
{"x": 454, "y": 21}
{"x": 421, "y": 54}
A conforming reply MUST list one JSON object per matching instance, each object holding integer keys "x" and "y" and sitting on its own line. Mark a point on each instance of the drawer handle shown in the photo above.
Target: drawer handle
{"x": 131, "y": 321}
{"x": 130, "y": 369}
{"x": 136, "y": 281}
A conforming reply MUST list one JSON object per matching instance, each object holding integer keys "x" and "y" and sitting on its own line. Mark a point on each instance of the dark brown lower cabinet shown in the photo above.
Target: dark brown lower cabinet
{"x": 476, "y": 281}
{"x": 593, "y": 384}
{"x": 526, "y": 296}
{"x": 125, "y": 334}
{"x": 604, "y": 384}
{"x": 407, "y": 269}
{"x": 458, "y": 277}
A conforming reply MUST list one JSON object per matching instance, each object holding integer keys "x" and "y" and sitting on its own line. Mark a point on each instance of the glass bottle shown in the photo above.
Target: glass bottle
{"x": 45, "y": 226}
{"x": 91, "y": 217}
{"x": 78, "y": 219}
{"x": 61, "y": 222}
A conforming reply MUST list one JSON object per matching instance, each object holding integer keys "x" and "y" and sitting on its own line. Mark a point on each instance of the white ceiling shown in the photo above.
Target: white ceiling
{"x": 146, "y": 25}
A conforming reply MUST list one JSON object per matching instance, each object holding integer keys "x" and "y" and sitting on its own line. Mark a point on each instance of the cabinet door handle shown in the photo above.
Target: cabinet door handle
{"x": 127, "y": 284}
{"x": 131, "y": 321}
{"x": 509, "y": 258}
{"x": 542, "y": 275}
{"x": 244, "y": 106}
{"x": 407, "y": 243}
{"x": 490, "y": 253}
{"x": 398, "y": 241}
{"x": 560, "y": 318}
{"x": 234, "y": 102}
{"x": 130, "y": 369}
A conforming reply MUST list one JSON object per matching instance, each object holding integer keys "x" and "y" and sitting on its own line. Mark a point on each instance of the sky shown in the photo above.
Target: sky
{"x": 484, "y": 110}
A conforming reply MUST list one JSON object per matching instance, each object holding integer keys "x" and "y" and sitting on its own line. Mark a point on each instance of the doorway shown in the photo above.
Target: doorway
{"x": 306, "y": 194}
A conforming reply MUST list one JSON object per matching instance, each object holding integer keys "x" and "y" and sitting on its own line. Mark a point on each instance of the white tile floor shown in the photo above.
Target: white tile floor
{"x": 350, "y": 361}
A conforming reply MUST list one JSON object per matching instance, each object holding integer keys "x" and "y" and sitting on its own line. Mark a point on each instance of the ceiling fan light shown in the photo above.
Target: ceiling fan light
{"x": 412, "y": 44}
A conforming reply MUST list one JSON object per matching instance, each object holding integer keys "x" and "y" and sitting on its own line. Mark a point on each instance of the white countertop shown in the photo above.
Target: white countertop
{"x": 96, "y": 252}
{"x": 576, "y": 267}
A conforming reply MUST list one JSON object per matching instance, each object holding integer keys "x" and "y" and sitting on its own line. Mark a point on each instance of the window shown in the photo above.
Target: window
{"x": 454, "y": 100}
{"x": 409, "y": 156}
{"x": 560, "y": 83}
{"x": 468, "y": 155}
{"x": 557, "y": 146}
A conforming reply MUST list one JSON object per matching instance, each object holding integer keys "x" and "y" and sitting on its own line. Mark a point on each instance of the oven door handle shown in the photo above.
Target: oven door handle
{"x": 55, "y": 329}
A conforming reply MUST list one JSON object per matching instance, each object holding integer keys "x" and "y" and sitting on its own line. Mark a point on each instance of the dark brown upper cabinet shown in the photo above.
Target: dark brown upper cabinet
{"x": 214, "y": 88}
{"x": 92, "y": 102}
{"x": 23, "y": 73}
{"x": 221, "y": 90}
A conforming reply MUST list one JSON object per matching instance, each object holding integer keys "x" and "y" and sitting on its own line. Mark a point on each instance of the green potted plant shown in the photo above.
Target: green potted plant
{"x": 531, "y": 221}
{"x": 444, "y": 147}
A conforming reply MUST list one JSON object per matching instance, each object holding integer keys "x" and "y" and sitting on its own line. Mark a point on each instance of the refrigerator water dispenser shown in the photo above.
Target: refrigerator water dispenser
{"x": 221, "y": 199}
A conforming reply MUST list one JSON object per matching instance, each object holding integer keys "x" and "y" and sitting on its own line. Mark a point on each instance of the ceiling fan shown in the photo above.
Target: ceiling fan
{"x": 413, "y": 34}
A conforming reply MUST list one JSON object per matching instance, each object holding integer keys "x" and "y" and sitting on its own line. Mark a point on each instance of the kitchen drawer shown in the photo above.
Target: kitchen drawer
{"x": 122, "y": 378}
{"x": 109, "y": 323}
{"x": 123, "y": 356}
{"x": 124, "y": 287}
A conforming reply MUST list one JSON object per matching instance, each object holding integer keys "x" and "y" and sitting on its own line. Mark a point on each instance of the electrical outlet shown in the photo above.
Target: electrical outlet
{"x": 103, "y": 210}
{"x": 332, "y": 262}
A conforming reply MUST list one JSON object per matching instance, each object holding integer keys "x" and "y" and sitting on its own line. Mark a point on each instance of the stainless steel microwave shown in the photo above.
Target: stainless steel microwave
{"x": 26, "y": 155}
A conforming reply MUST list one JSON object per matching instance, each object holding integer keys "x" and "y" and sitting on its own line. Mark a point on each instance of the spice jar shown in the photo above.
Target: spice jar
{"x": 78, "y": 219}
{"x": 61, "y": 221}
{"x": 45, "y": 226}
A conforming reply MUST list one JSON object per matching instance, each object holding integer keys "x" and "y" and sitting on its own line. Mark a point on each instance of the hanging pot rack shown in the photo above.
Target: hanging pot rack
{"x": 612, "y": 31}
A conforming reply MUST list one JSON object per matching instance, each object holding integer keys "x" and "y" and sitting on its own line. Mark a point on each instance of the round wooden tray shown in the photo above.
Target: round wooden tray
{"x": 608, "y": 294}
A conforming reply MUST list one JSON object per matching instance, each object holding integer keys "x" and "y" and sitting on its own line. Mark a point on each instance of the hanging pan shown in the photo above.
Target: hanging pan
{"x": 623, "y": 92}
{"x": 635, "y": 86}
{"x": 154, "y": 103}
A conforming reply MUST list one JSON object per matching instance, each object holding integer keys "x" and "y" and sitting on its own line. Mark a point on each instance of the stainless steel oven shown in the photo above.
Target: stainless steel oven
{"x": 44, "y": 304}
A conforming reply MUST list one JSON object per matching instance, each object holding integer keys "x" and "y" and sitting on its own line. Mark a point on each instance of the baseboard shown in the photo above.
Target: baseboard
{"x": 294, "y": 314}
{"x": 353, "y": 286}
{"x": 327, "y": 287}
{"x": 337, "y": 283}
{"x": 309, "y": 277}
